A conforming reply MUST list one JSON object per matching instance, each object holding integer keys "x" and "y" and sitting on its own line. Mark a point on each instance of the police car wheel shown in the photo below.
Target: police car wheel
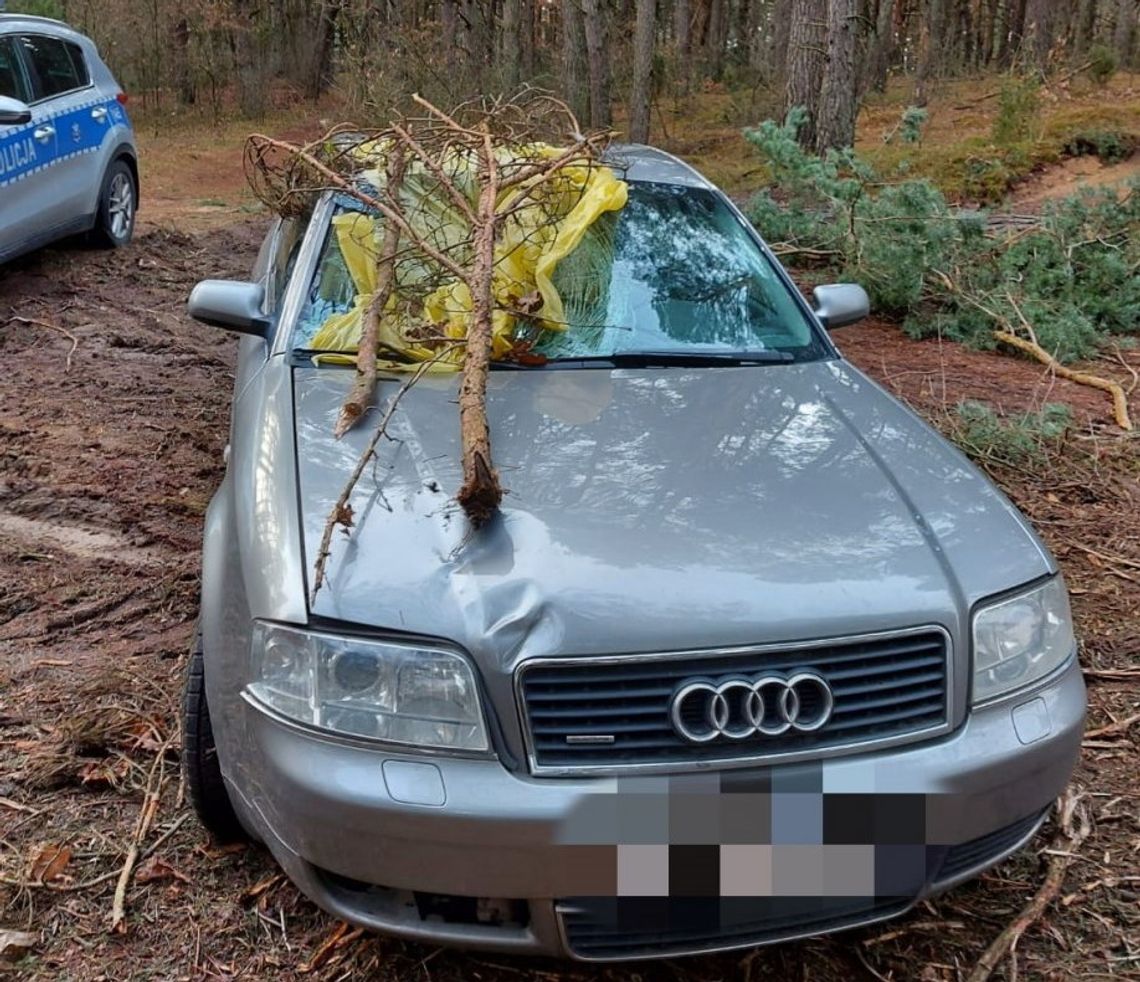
{"x": 115, "y": 221}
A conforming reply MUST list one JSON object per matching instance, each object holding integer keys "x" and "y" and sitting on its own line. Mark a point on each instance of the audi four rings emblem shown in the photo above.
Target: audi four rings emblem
{"x": 739, "y": 708}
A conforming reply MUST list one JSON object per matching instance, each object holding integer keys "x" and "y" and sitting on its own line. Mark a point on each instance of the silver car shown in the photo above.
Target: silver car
{"x": 68, "y": 162}
{"x": 752, "y": 653}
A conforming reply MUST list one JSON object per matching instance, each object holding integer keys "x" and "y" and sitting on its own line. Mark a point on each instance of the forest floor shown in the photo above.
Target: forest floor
{"x": 112, "y": 425}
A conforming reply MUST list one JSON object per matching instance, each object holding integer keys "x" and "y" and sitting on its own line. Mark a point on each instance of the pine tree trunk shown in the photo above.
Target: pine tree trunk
{"x": 806, "y": 57}
{"x": 715, "y": 40}
{"x": 183, "y": 79}
{"x": 836, "y": 124}
{"x": 1125, "y": 32}
{"x": 930, "y": 40}
{"x": 881, "y": 48}
{"x": 508, "y": 43}
{"x": 682, "y": 43}
{"x": 573, "y": 62}
{"x": 598, "y": 55}
{"x": 641, "y": 94}
{"x": 1038, "y": 32}
{"x": 529, "y": 39}
{"x": 778, "y": 37}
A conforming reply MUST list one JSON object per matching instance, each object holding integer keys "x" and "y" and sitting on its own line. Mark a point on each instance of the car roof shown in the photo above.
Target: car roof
{"x": 30, "y": 22}
{"x": 638, "y": 162}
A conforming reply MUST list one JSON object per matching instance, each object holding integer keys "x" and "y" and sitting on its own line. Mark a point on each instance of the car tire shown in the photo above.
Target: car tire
{"x": 118, "y": 202}
{"x": 204, "y": 785}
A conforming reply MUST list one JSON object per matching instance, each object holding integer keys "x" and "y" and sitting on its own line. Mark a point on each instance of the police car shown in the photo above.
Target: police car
{"x": 68, "y": 162}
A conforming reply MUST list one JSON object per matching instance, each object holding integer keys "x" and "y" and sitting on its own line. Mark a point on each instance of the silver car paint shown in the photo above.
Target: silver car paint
{"x": 648, "y": 510}
{"x": 90, "y": 130}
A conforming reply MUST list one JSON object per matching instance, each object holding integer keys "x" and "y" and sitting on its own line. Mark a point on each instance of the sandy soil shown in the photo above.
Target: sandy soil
{"x": 1067, "y": 177}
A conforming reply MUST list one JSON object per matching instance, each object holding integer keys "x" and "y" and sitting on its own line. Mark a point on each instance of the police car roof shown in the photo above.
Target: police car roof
{"x": 13, "y": 22}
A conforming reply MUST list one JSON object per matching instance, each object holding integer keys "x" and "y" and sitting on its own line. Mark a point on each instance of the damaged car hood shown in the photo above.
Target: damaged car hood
{"x": 653, "y": 510}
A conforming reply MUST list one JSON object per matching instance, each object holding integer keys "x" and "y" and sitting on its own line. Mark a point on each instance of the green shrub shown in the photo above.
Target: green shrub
{"x": 1019, "y": 110}
{"x": 1017, "y": 439}
{"x": 1102, "y": 63}
{"x": 1111, "y": 146}
{"x": 1070, "y": 283}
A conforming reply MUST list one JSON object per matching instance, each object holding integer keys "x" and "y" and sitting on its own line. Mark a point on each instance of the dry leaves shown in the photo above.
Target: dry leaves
{"x": 157, "y": 869}
{"x": 48, "y": 862}
{"x": 340, "y": 936}
{"x": 15, "y": 944}
{"x": 102, "y": 773}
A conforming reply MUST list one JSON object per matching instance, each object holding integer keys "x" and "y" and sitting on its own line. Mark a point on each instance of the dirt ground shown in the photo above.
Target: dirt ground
{"x": 113, "y": 417}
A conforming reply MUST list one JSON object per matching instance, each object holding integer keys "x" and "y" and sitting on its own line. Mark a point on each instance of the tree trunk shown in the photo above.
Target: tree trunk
{"x": 1038, "y": 33}
{"x": 573, "y": 62}
{"x": 449, "y": 23}
{"x": 641, "y": 94}
{"x": 836, "y": 125}
{"x": 881, "y": 48}
{"x": 1125, "y": 32}
{"x": 508, "y": 43}
{"x": 930, "y": 40}
{"x": 183, "y": 77}
{"x": 598, "y": 55}
{"x": 779, "y": 35}
{"x": 716, "y": 39}
{"x": 529, "y": 40}
{"x": 321, "y": 69}
{"x": 1016, "y": 31}
{"x": 806, "y": 56}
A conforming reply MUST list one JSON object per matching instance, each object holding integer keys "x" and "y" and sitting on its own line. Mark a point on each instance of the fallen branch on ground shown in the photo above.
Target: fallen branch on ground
{"x": 155, "y": 781}
{"x": 1115, "y": 389}
{"x": 1006, "y": 333}
{"x": 1120, "y": 726}
{"x": 14, "y": 319}
{"x": 1062, "y": 850}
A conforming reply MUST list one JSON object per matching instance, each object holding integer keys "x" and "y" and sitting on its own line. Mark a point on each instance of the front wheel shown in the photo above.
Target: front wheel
{"x": 204, "y": 785}
{"x": 115, "y": 219}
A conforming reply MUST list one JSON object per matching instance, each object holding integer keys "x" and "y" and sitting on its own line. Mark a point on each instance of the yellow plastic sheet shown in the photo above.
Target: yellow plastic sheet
{"x": 547, "y": 227}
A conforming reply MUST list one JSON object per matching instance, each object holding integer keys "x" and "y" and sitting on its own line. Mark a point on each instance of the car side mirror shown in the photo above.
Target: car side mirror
{"x": 840, "y": 304}
{"x": 13, "y": 112}
{"x": 233, "y": 305}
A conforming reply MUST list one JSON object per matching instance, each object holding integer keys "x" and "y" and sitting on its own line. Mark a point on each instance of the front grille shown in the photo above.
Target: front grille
{"x": 985, "y": 849}
{"x": 885, "y": 688}
{"x": 600, "y": 928}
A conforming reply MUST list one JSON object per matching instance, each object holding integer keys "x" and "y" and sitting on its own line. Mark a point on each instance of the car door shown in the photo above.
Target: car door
{"x": 26, "y": 154}
{"x": 65, "y": 105}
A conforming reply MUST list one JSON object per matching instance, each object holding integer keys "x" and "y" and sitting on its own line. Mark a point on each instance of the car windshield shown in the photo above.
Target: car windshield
{"x": 674, "y": 273}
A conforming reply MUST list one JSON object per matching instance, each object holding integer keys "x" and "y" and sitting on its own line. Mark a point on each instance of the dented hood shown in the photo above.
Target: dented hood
{"x": 656, "y": 509}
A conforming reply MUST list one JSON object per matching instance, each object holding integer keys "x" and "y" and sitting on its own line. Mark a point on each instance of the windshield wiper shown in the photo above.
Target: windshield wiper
{"x": 385, "y": 352}
{"x": 655, "y": 359}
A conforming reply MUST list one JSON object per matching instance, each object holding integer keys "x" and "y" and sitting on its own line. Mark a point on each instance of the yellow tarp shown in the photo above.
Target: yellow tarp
{"x": 545, "y": 229}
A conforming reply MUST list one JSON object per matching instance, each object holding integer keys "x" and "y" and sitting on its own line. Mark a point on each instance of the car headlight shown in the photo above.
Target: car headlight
{"x": 398, "y": 693}
{"x": 1021, "y": 639}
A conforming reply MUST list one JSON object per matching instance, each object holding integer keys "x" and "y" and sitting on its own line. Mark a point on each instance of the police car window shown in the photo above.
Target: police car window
{"x": 11, "y": 77}
{"x": 54, "y": 67}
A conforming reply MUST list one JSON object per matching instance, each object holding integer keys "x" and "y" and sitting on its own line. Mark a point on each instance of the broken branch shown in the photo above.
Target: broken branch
{"x": 356, "y": 402}
{"x": 341, "y": 513}
{"x": 1032, "y": 348}
{"x": 1062, "y": 849}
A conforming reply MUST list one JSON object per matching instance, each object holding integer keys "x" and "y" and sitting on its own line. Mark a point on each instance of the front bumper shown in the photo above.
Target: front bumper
{"x": 464, "y": 852}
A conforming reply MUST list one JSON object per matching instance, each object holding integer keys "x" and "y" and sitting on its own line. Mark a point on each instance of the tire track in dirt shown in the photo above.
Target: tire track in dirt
{"x": 82, "y": 543}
